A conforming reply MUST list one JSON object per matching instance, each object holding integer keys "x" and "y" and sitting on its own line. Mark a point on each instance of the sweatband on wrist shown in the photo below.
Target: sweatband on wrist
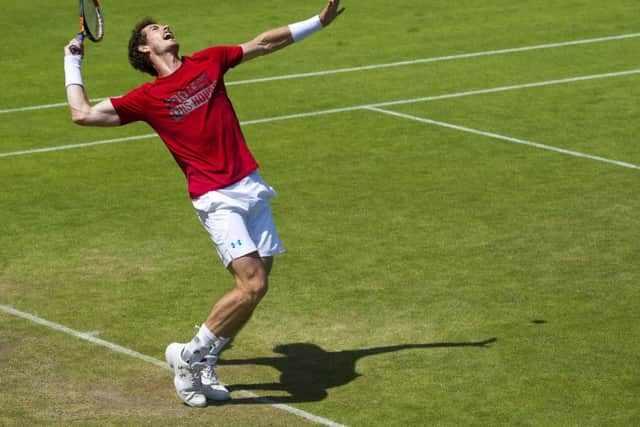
{"x": 302, "y": 29}
{"x": 72, "y": 74}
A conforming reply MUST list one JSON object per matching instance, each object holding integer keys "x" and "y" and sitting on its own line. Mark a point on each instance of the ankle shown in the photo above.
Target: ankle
{"x": 199, "y": 346}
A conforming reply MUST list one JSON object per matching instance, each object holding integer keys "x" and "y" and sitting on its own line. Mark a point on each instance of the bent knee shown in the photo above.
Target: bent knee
{"x": 252, "y": 277}
{"x": 254, "y": 286}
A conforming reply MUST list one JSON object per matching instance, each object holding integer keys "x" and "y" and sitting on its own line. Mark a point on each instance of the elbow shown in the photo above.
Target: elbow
{"x": 79, "y": 121}
{"x": 79, "y": 117}
{"x": 262, "y": 46}
{"x": 269, "y": 47}
{"x": 265, "y": 43}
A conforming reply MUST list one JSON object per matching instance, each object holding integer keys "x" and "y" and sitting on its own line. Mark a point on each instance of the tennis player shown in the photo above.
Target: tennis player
{"x": 187, "y": 105}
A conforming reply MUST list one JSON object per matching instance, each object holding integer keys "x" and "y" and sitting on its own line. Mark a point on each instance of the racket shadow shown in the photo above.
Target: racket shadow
{"x": 307, "y": 371}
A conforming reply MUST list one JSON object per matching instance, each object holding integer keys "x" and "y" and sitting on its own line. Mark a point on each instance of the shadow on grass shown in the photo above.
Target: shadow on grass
{"x": 307, "y": 371}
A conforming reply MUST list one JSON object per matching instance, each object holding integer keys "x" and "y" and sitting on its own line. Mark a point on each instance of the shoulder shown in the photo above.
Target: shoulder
{"x": 133, "y": 95}
{"x": 140, "y": 90}
{"x": 217, "y": 52}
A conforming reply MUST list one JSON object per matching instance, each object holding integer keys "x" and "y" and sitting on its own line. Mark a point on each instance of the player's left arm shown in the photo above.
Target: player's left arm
{"x": 278, "y": 38}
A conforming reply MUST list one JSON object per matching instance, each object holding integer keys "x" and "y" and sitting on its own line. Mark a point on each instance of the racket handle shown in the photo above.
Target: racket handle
{"x": 75, "y": 50}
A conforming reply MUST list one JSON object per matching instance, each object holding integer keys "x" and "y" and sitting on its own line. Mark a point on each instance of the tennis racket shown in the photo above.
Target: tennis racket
{"x": 91, "y": 23}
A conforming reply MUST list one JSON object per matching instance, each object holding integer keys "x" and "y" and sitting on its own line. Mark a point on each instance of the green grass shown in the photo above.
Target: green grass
{"x": 433, "y": 276}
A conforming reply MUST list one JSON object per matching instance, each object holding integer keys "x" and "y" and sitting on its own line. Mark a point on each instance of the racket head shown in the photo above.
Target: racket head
{"x": 92, "y": 19}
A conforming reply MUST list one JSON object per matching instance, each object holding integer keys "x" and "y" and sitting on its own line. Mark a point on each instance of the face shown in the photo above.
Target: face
{"x": 160, "y": 39}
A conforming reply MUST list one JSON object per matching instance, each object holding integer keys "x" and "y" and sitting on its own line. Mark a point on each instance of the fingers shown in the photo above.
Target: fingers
{"x": 331, "y": 12}
{"x": 336, "y": 7}
{"x": 74, "y": 47}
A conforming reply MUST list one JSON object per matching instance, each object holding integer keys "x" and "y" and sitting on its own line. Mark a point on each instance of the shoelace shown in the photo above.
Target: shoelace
{"x": 195, "y": 375}
{"x": 194, "y": 370}
{"x": 209, "y": 371}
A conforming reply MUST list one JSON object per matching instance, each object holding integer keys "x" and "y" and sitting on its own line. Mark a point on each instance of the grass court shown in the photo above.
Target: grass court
{"x": 458, "y": 194}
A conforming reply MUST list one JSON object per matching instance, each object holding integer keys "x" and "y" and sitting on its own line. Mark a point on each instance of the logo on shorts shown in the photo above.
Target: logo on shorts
{"x": 236, "y": 244}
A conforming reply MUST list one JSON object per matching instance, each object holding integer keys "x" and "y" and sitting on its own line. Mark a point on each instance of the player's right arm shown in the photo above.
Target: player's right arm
{"x": 82, "y": 112}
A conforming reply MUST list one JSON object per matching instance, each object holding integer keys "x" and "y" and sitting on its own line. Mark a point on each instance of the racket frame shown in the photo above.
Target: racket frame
{"x": 84, "y": 29}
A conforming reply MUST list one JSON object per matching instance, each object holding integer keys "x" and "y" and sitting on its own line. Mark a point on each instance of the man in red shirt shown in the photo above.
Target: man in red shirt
{"x": 188, "y": 107}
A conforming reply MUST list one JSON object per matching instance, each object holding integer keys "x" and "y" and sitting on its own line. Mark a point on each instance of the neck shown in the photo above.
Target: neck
{"x": 166, "y": 64}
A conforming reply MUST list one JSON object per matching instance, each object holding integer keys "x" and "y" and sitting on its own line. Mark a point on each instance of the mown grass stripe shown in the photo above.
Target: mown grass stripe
{"x": 379, "y": 105}
{"x": 378, "y": 66}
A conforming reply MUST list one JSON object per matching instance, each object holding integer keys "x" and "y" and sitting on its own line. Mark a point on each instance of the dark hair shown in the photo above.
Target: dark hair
{"x": 139, "y": 60}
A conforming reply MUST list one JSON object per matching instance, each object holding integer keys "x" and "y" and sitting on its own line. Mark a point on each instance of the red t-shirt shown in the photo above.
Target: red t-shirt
{"x": 191, "y": 112}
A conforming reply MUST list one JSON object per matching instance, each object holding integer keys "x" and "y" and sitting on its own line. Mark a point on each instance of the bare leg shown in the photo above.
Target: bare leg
{"x": 234, "y": 309}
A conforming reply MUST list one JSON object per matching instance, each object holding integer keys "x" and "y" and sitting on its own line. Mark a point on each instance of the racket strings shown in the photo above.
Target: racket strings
{"x": 93, "y": 20}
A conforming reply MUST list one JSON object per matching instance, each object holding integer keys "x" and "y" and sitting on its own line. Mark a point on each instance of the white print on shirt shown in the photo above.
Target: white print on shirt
{"x": 194, "y": 95}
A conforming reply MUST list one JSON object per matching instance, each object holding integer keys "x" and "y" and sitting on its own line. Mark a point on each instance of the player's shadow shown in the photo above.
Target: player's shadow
{"x": 307, "y": 371}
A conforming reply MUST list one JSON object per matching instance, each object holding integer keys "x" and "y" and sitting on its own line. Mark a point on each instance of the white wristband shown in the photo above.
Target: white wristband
{"x": 302, "y": 29}
{"x": 72, "y": 75}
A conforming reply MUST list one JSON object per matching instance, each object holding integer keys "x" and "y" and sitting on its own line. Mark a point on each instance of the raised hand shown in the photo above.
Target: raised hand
{"x": 330, "y": 12}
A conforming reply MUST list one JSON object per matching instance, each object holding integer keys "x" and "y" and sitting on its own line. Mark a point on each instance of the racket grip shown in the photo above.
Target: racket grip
{"x": 75, "y": 50}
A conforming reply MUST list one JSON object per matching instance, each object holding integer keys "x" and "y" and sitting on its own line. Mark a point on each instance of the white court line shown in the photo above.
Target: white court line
{"x": 506, "y": 138}
{"x": 439, "y": 59}
{"x": 347, "y": 109}
{"x": 379, "y": 66}
{"x": 126, "y": 351}
{"x": 445, "y": 96}
{"x": 72, "y": 146}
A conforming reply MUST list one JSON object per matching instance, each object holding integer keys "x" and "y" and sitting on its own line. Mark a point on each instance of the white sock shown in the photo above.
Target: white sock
{"x": 199, "y": 346}
{"x": 218, "y": 345}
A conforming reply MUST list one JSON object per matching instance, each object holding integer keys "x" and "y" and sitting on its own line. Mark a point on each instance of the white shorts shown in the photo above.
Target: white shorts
{"x": 238, "y": 219}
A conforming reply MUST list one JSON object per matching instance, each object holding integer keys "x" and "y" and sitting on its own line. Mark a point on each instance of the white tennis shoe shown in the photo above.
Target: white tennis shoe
{"x": 187, "y": 377}
{"x": 210, "y": 385}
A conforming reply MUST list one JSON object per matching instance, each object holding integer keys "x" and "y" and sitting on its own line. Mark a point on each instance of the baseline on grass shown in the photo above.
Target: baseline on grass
{"x": 91, "y": 23}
